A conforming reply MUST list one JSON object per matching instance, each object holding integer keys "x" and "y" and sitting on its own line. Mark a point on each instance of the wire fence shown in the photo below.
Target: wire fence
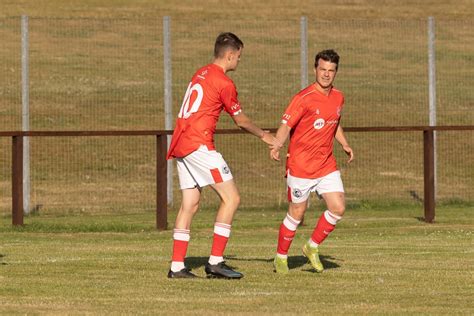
{"x": 107, "y": 74}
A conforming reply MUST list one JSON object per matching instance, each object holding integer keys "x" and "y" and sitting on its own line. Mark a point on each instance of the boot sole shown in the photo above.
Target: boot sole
{"x": 218, "y": 276}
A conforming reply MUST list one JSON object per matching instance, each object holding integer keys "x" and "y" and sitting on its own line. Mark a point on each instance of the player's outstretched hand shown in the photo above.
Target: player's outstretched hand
{"x": 269, "y": 139}
{"x": 275, "y": 154}
{"x": 349, "y": 153}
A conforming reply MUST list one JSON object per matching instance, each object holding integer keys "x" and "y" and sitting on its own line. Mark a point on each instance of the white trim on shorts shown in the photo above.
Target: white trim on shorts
{"x": 202, "y": 167}
{"x": 300, "y": 188}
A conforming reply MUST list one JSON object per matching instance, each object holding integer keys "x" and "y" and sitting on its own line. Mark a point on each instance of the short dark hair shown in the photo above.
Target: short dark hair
{"x": 225, "y": 41}
{"x": 327, "y": 55}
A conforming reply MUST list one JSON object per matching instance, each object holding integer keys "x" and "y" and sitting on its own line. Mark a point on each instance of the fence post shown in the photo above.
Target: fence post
{"x": 168, "y": 97}
{"x": 17, "y": 180}
{"x": 432, "y": 87}
{"x": 428, "y": 166}
{"x": 25, "y": 102}
{"x": 304, "y": 51}
{"x": 304, "y": 63}
{"x": 161, "y": 181}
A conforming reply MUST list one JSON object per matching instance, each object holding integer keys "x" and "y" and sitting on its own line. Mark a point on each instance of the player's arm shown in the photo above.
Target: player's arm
{"x": 341, "y": 138}
{"x": 281, "y": 137}
{"x": 293, "y": 113}
{"x": 244, "y": 122}
{"x": 232, "y": 106}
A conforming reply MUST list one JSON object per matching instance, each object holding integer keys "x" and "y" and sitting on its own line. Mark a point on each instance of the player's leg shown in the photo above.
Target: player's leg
{"x": 286, "y": 234}
{"x": 332, "y": 191}
{"x": 181, "y": 233}
{"x": 208, "y": 167}
{"x": 191, "y": 194}
{"x": 298, "y": 194}
{"x": 327, "y": 221}
{"x": 326, "y": 224}
{"x": 230, "y": 200}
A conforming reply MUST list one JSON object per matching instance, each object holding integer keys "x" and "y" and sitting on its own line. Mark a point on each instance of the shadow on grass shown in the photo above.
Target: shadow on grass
{"x": 326, "y": 261}
{"x": 195, "y": 262}
{"x": 423, "y": 220}
{"x": 1, "y": 260}
{"x": 294, "y": 262}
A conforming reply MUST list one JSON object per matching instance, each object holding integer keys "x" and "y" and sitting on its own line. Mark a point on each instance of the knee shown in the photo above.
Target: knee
{"x": 338, "y": 209}
{"x": 232, "y": 201}
{"x": 297, "y": 210}
{"x": 235, "y": 200}
{"x": 189, "y": 208}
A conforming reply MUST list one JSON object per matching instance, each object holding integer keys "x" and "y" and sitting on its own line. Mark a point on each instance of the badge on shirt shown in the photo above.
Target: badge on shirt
{"x": 319, "y": 123}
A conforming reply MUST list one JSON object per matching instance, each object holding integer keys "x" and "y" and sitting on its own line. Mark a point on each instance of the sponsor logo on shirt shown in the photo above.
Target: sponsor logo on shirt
{"x": 235, "y": 106}
{"x": 319, "y": 123}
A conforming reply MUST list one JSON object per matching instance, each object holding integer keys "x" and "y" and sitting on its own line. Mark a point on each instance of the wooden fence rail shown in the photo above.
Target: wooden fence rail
{"x": 161, "y": 165}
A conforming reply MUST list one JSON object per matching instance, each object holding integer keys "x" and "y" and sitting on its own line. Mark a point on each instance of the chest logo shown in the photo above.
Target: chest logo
{"x": 319, "y": 123}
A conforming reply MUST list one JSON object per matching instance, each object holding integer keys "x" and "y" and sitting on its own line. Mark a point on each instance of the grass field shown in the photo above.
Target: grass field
{"x": 92, "y": 247}
{"x": 379, "y": 260}
{"x": 339, "y": 9}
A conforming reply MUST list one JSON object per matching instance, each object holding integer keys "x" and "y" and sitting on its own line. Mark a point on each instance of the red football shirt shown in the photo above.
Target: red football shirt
{"x": 313, "y": 118}
{"x": 209, "y": 92}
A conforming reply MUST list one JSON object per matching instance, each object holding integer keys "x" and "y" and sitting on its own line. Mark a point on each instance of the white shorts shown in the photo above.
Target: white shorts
{"x": 202, "y": 167}
{"x": 300, "y": 188}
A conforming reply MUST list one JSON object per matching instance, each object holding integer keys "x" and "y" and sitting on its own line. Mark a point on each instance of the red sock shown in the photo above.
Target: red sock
{"x": 326, "y": 224}
{"x": 286, "y": 234}
{"x": 180, "y": 244}
{"x": 180, "y": 248}
{"x": 221, "y": 236}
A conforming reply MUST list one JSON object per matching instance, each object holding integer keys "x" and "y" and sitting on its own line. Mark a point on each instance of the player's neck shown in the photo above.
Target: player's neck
{"x": 324, "y": 91}
{"x": 221, "y": 64}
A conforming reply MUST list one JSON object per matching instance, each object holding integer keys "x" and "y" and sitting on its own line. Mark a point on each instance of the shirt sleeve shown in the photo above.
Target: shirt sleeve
{"x": 230, "y": 100}
{"x": 340, "y": 107}
{"x": 294, "y": 112}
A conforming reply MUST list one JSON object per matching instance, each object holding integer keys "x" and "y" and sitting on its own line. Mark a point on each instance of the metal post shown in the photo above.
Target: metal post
{"x": 25, "y": 122}
{"x": 304, "y": 62}
{"x": 168, "y": 98}
{"x": 304, "y": 51}
{"x": 17, "y": 180}
{"x": 429, "y": 176}
{"x": 432, "y": 87}
{"x": 161, "y": 181}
